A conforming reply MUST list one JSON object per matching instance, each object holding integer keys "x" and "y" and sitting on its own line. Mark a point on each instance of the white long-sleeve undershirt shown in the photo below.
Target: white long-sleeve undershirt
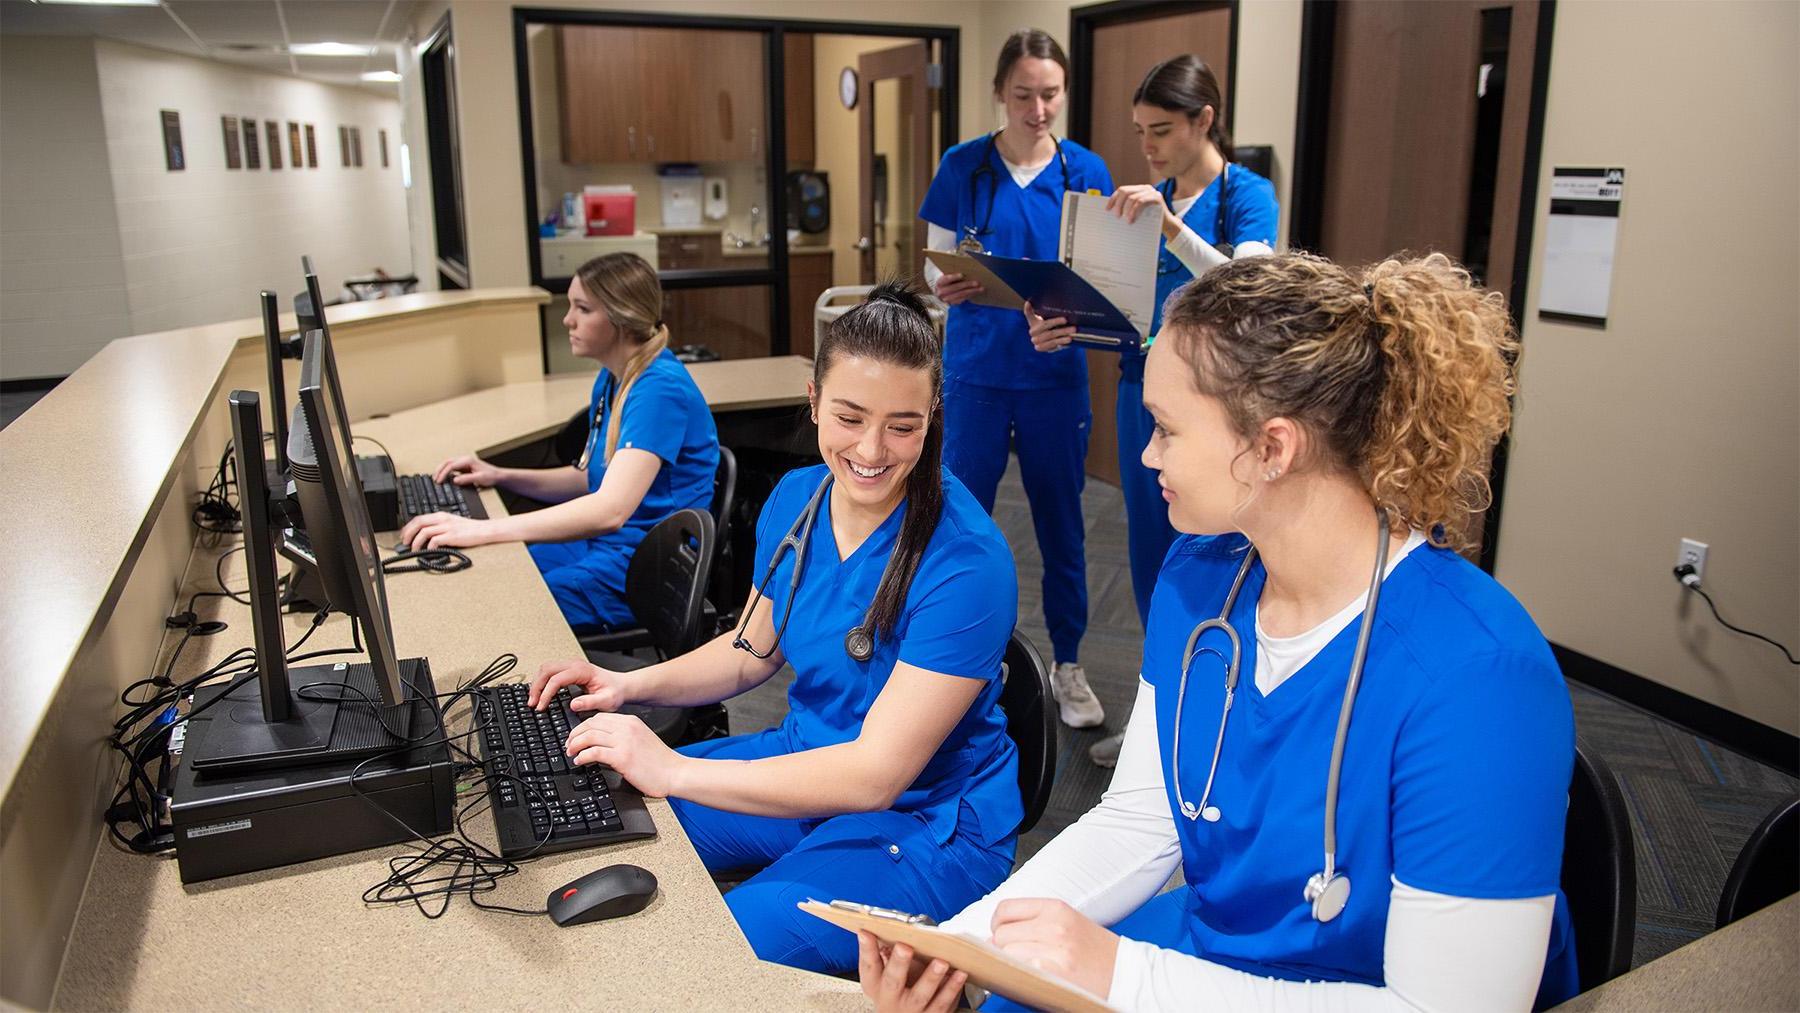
{"x": 1441, "y": 952}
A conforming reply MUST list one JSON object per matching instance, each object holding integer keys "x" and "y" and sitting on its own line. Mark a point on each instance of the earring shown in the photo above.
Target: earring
{"x": 1272, "y": 474}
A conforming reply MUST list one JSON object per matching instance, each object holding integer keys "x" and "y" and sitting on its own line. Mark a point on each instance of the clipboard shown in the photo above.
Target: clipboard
{"x": 994, "y": 292}
{"x": 985, "y": 965}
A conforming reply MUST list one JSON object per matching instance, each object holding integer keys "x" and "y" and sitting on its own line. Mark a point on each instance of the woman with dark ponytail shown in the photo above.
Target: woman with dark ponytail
{"x": 1212, "y": 210}
{"x": 1354, "y": 744}
{"x": 892, "y": 594}
{"x": 651, "y": 450}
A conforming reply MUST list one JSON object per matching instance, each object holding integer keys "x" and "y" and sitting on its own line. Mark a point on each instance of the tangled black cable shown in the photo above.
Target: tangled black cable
{"x": 434, "y": 871}
{"x": 217, "y": 510}
{"x": 445, "y": 560}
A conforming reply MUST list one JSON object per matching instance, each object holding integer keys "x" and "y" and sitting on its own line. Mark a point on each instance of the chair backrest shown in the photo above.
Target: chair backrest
{"x": 1599, "y": 871}
{"x": 724, "y": 501}
{"x": 666, "y": 582}
{"x": 1768, "y": 868}
{"x": 724, "y": 489}
{"x": 1030, "y": 723}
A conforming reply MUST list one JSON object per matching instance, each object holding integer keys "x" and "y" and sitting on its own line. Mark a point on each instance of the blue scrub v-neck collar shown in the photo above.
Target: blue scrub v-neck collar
{"x": 1332, "y": 661}
{"x": 888, "y": 524}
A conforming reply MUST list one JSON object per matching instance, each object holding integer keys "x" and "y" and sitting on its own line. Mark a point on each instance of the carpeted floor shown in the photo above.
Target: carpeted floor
{"x": 1692, "y": 803}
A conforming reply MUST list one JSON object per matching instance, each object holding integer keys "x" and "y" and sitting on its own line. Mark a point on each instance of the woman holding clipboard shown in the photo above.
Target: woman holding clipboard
{"x": 1002, "y": 193}
{"x": 1330, "y": 693}
{"x": 1212, "y": 211}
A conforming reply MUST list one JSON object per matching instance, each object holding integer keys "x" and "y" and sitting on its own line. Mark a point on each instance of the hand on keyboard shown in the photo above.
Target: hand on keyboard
{"x": 447, "y": 531}
{"x": 599, "y": 689}
{"x": 467, "y": 470}
{"x": 627, "y": 745}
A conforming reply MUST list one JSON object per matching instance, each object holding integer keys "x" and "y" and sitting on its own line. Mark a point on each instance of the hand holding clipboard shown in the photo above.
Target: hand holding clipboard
{"x": 985, "y": 964}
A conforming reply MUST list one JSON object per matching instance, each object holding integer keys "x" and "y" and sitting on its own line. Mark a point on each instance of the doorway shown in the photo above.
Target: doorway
{"x": 437, "y": 69}
{"x": 895, "y": 158}
{"x": 1113, "y": 46}
{"x": 1420, "y": 128}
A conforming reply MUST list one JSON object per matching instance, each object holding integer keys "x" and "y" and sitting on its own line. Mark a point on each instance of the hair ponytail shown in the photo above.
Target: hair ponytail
{"x": 893, "y": 326}
{"x": 630, "y": 295}
{"x": 1404, "y": 375}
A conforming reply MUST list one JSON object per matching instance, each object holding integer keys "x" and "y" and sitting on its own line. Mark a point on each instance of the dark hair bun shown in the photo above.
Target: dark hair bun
{"x": 899, "y": 292}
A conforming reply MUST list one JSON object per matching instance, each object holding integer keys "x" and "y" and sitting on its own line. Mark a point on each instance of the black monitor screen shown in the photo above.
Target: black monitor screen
{"x": 337, "y": 518}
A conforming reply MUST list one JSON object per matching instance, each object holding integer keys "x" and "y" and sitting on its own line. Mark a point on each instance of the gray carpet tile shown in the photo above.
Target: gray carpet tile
{"x": 1692, "y": 803}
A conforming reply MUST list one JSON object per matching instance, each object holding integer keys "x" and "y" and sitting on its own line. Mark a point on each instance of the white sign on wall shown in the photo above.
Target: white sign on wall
{"x": 1579, "y": 243}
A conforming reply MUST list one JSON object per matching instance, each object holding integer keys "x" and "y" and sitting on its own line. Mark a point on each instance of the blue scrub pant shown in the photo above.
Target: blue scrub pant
{"x": 1147, "y": 530}
{"x": 587, "y": 578}
{"x": 1049, "y": 431}
{"x": 890, "y": 859}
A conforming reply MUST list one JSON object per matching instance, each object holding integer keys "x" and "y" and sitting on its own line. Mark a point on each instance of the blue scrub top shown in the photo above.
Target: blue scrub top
{"x": 988, "y": 345}
{"x": 1252, "y": 217}
{"x": 1455, "y": 775}
{"x": 959, "y": 612}
{"x": 666, "y": 415}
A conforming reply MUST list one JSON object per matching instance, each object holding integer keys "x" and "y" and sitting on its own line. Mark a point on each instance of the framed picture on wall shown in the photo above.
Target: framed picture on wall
{"x": 234, "y": 158}
{"x": 294, "y": 158}
{"x": 173, "y": 156}
{"x": 252, "y": 150}
{"x": 344, "y": 144}
{"x": 312, "y": 149}
{"x": 356, "y": 146}
{"x": 273, "y": 132}
{"x": 382, "y": 135}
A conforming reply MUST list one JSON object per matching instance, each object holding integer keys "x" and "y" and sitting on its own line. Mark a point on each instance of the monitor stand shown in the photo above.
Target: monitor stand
{"x": 318, "y": 730}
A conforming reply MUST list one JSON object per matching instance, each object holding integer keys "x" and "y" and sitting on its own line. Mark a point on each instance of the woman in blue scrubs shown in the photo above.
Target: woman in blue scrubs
{"x": 1212, "y": 211}
{"x": 1322, "y": 440}
{"x": 891, "y": 781}
{"x": 651, "y": 450}
{"x": 1003, "y": 193}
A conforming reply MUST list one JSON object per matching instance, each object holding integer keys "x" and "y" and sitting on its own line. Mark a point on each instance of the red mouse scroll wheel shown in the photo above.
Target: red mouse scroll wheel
{"x": 570, "y": 892}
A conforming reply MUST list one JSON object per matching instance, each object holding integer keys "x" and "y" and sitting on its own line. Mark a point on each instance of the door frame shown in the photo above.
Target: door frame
{"x": 1318, "y": 36}
{"x": 440, "y": 44}
{"x": 775, "y": 273}
{"x": 888, "y": 65}
{"x": 1084, "y": 20}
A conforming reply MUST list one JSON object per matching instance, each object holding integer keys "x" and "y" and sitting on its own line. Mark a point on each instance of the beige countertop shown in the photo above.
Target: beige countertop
{"x": 1750, "y": 964}
{"x": 86, "y": 468}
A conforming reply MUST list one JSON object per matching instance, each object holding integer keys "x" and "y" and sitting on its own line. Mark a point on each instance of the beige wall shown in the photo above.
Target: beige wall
{"x": 62, "y": 280}
{"x": 1680, "y": 418}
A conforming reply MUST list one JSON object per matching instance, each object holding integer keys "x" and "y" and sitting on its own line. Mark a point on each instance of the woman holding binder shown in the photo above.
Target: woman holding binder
{"x": 1329, "y": 692}
{"x": 1002, "y": 193}
{"x": 1212, "y": 211}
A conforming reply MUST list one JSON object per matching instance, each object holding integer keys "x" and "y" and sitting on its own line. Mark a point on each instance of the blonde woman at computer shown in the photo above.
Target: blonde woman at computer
{"x": 651, "y": 450}
{"x": 892, "y": 593}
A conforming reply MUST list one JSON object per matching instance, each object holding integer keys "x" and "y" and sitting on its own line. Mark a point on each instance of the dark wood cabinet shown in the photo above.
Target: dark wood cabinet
{"x": 660, "y": 94}
{"x": 809, "y": 275}
{"x": 797, "y": 77}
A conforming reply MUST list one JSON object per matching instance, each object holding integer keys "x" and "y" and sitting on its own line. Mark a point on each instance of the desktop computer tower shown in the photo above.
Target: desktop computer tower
{"x": 226, "y": 824}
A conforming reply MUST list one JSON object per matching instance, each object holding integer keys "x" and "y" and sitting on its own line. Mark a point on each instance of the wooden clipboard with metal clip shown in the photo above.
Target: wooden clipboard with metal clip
{"x": 985, "y": 965}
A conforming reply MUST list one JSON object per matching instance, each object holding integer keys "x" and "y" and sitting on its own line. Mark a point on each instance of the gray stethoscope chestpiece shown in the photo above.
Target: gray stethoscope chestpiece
{"x": 859, "y": 644}
{"x": 1328, "y": 893}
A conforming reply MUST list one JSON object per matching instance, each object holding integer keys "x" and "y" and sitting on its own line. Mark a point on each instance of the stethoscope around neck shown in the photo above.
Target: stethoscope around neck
{"x": 971, "y": 241}
{"x": 1327, "y": 891}
{"x": 859, "y": 643}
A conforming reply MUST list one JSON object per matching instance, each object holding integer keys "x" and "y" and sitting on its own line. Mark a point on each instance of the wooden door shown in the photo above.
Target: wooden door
{"x": 719, "y": 87}
{"x": 1123, "y": 53}
{"x": 907, "y": 66}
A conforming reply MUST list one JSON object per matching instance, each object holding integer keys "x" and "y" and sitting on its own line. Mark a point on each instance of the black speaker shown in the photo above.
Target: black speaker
{"x": 808, "y": 201}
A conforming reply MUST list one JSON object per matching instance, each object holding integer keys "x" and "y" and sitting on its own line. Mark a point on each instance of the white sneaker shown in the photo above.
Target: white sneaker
{"x": 1079, "y": 706}
{"x": 1105, "y": 753}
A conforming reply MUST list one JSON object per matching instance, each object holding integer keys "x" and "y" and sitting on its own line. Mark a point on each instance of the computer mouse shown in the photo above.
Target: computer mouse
{"x": 611, "y": 892}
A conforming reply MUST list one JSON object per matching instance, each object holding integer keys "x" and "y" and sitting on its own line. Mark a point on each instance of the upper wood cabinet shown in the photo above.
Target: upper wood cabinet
{"x": 661, "y": 95}
{"x": 799, "y": 120}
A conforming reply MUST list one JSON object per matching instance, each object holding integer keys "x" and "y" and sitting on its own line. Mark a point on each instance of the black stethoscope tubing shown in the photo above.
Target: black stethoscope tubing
{"x": 970, "y": 232}
{"x": 1221, "y": 238}
{"x": 859, "y": 643}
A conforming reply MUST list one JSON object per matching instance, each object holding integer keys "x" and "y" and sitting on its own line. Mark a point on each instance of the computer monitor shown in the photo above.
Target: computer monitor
{"x": 309, "y": 306}
{"x": 299, "y": 716}
{"x": 273, "y": 352}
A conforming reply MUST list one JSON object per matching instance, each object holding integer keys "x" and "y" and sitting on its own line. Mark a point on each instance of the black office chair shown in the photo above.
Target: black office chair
{"x": 665, "y": 587}
{"x": 1030, "y": 723}
{"x": 1768, "y": 868}
{"x": 1599, "y": 871}
{"x": 724, "y": 500}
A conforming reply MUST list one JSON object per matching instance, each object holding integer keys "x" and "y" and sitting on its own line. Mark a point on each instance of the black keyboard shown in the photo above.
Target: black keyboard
{"x": 420, "y": 495}
{"x": 548, "y": 804}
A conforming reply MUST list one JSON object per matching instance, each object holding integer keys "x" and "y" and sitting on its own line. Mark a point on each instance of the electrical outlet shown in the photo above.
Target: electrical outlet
{"x": 1693, "y": 554}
